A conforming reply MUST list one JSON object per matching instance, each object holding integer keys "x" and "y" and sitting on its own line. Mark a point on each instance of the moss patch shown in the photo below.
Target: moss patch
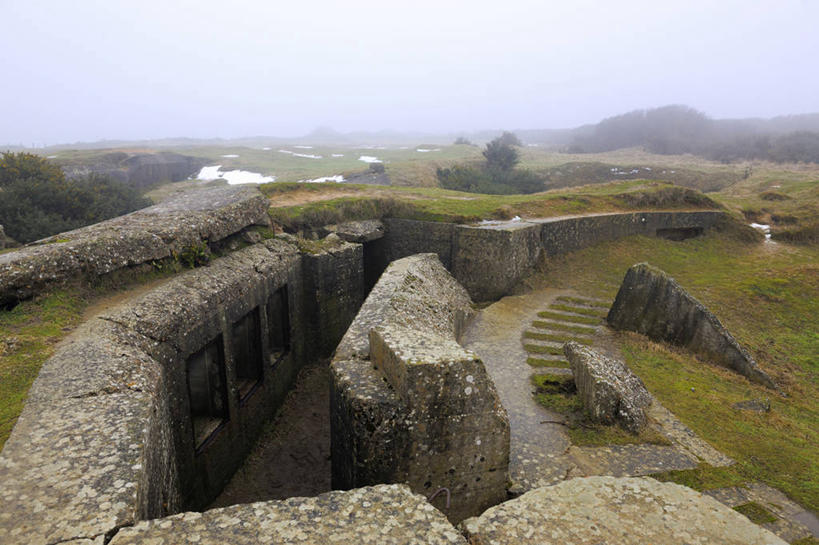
{"x": 540, "y": 362}
{"x": 540, "y": 324}
{"x": 580, "y": 310}
{"x": 756, "y": 513}
{"x": 538, "y": 349}
{"x": 554, "y": 337}
{"x": 559, "y": 394}
{"x": 568, "y": 318}
{"x": 704, "y": 477}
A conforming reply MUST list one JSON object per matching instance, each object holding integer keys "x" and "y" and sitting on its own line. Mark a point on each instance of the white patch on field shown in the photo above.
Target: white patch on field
{"x": 338, "y": 178}
{"x": 369, "y": 159}
{"x": 265, "y": 149}
{"x": 422, "y": 150}
{"x": 404, "y": 147}
{"x": 338, "y": 155}
{"x": 303, "y": 147}
{"x": 777, "y": 186}
{"x": 233, "y": 177}
{"x": 766, "y": 229}
{"x": 305, "y": 155}
{"x": 54, "y": 157}
{"x": 230, "y": 156}
{"x": 532, "y": 145}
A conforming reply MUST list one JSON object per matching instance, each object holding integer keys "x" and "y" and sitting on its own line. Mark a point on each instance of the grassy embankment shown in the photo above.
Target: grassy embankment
{"x": 295, "y": 206}
{"x": 767, "y": 295}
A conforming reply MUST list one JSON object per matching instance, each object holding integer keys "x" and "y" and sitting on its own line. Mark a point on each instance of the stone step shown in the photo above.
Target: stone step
{"x": 556, "y": 335}
{"x": 583, "y": 301}
{"x": 534, "y": 346}
{"x": 582, "y": 311}
{"x": 552, "y": 325}
{"x": 547, "y": 360}
{"x": 561, "y": 316}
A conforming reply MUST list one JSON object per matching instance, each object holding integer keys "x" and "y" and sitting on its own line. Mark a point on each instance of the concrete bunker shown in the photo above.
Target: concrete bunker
{"x": 155, "y": 403}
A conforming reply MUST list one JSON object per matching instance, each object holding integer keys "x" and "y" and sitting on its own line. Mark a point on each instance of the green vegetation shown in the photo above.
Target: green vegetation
{"x": 767, "y": 295}
{"x": 36, "y": 200}
{"x": 599, "y": 313}
{"x": 553, "y": 337}
{"x": 28, "y": 334}
{"x": 541, "y": 362}
{"x": 568, "y": 317}
{"x": 558, "y": 393}
{"x": 563, "y": 327}
{"x": 704, "y": 477}
{"x": 539, "y": 349}
{"x": 756, "y": 513}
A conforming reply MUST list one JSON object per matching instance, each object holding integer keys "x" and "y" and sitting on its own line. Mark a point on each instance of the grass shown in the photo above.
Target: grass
{"x": 568, "y": 318}
{"x": 756, "y": 513}
{"x": 553, "y": 337}
{"x": 558, "y": 393}
{"x": 563, "y": 327}
{"x": 581, "y": 301}
{"x": 540, "y": 362}
{"x": 767, "y": 295}
{"x": 300, "y": 206}
{"x": 538, "y": 349}
{"x": 580, "y": 310}
{"x": 28, "y": 334}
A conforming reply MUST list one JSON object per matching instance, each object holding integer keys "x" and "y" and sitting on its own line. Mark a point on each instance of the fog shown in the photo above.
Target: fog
{"x": 90, "y": 70}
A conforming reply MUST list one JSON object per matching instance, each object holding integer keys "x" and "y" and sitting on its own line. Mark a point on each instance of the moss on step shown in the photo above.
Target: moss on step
{"x": 554, "y": 337}
{"x": 582, "y": 330}
{"x": 538, "y": 349}
{"x": 540, "y": 362}
{"x": 599, "y": 313}
{"x": 568, "y": 318}
{"x": 756, "y": 513}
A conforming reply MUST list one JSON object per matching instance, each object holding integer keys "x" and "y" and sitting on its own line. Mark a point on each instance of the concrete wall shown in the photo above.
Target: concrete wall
{"x": 408, "y": 404}
{"x": 489, "y": 260}
{"x": 107, "y": 436}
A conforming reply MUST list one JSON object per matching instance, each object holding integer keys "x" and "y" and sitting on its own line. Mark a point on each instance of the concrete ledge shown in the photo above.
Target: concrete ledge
{"x": 378, "y": 515}
{"x": 626, "y": 511}
{"x": 151, "y": 234}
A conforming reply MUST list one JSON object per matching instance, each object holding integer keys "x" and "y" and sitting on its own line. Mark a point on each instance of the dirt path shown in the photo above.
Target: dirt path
{"x": 292, "y": 455}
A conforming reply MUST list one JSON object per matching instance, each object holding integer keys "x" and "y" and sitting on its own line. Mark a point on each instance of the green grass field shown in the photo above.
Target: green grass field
{"x": 767, "y": 295}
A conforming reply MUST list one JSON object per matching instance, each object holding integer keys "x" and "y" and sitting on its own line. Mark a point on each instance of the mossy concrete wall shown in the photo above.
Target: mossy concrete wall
{"x": 107, "y": 438}
{"x": 489, "y": 260}
{"x": 408, "y": 404}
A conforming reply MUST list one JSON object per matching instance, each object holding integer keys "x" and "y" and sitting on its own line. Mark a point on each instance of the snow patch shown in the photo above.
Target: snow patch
{"x": 303, "y": 147}
{"x": 233, "y": 177}
{"x": 230, "y": 156}
{"x": 305, "y": 155}
{"x": 265, "y": 149}
{"x": 422, "y": 150}
{"x": 369, "y": 159}
{"x": 338, "y": 178}
{"x": 337, "y": 155}
{"x": 766, "y": 229}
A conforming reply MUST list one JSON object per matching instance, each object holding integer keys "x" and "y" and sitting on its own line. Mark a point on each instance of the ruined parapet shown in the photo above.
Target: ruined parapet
{"x": 378, "y": 515}
{"x": 408, "y": 404}
{"x": 490, "y": 260}
{"x": 117, "y": 426}
{"x": 159, "y": 232}
{"x": 654, "y": 304}
{"x": 626, "y": 511}
{"x": 609, "y": 390}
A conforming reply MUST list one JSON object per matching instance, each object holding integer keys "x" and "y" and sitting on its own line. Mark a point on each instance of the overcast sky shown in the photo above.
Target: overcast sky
{"x": 108, "y": 69}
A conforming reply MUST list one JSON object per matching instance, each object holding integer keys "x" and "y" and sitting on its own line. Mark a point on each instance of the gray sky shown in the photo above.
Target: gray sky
{"x": 87, "y": 70}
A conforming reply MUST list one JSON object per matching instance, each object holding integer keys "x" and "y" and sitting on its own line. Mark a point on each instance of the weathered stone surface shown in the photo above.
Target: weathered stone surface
{"x": 378, "y": 515}
{"x": 415, "y": 292}
{"x": 654, "y": 304}
{"x": 625, "y": 511}
{"x": 105, "y": 438}
{"x": 489, "y": 260}
{"x": 408, "y": 404}
{"x": 154, "y": 233}
{"x": 358, "y": 231}
{"x": 73, "y": 468}
{"x": 609, "y": 390}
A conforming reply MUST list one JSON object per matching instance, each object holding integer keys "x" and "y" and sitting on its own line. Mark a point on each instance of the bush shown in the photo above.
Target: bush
{"x": 36, "y": 200}
{"x": 500, "y": 155}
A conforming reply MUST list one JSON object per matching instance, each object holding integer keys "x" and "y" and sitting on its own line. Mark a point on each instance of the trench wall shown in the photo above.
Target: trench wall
{"x": 490, "y": 260}
{"x": 111, "y": 433}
